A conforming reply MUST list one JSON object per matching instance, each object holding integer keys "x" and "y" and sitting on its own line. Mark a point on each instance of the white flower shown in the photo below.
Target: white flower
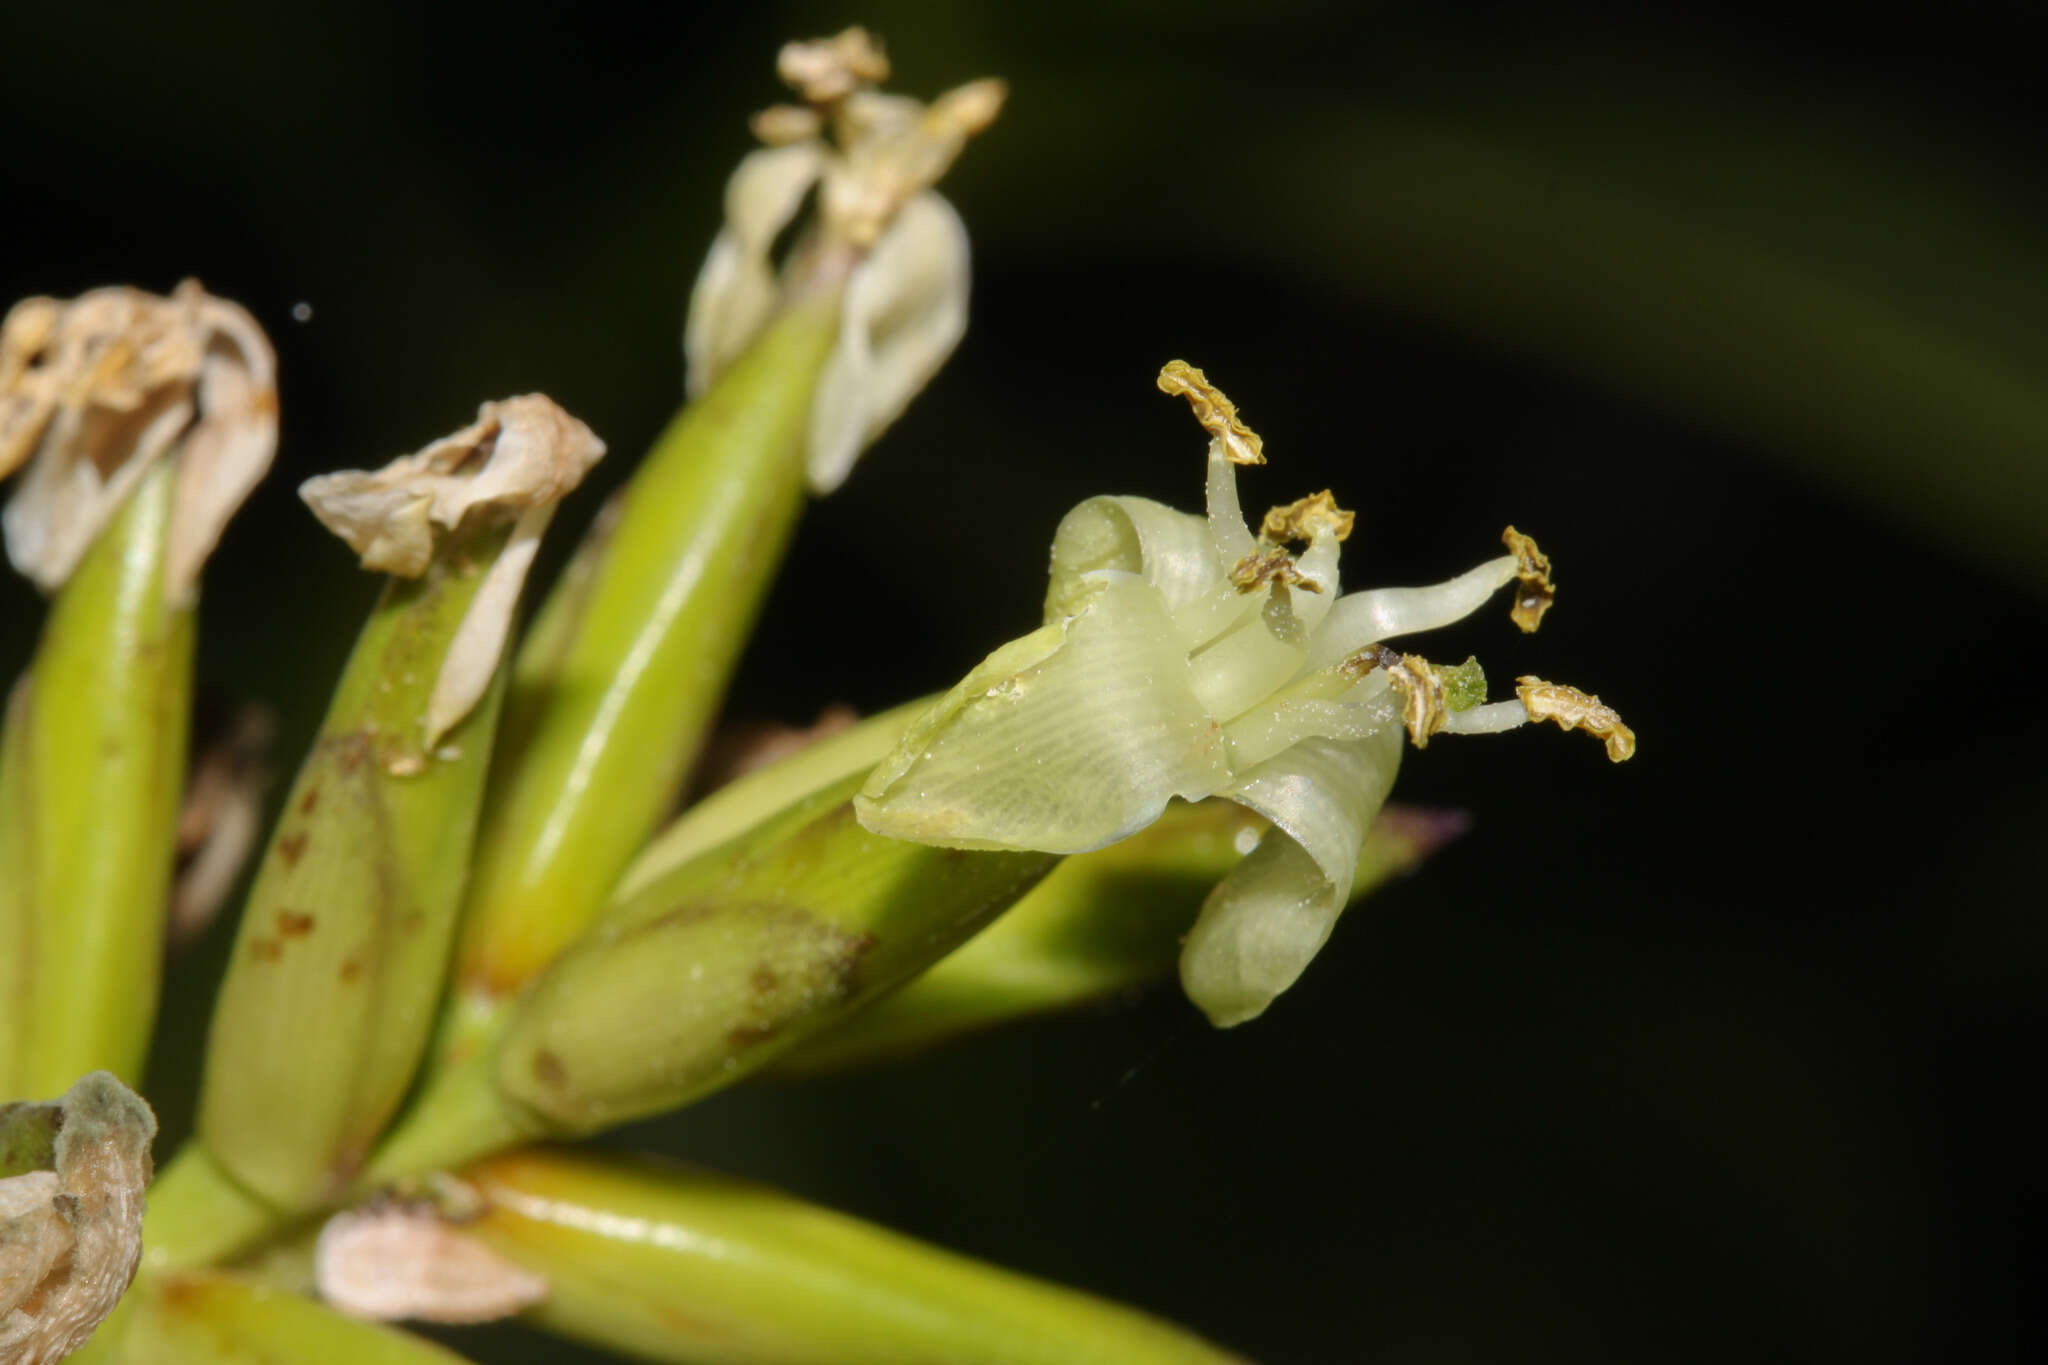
{"x": 1183, "y": 657}
{"x": 897, "y": 251}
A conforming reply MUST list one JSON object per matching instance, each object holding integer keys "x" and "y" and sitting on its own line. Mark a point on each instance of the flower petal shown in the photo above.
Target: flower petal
{"x": 1068, "y": 739}
{"x": 904, "y": 312}
{"x": 1266, "y": 921}
{"x": 736, "y": 288}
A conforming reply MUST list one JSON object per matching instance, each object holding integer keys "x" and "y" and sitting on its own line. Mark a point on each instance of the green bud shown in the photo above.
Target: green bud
{"x": 631, "y": 657}
{"x": 706, "y": 973}
{"x": 680, "y": 1265}
{"x": 93, "y": 773}
{"x": 1100, "y": 924}
{"x": 344, "y": 941}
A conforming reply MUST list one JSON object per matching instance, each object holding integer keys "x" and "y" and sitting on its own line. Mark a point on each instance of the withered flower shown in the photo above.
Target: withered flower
{"x": 96, "y": 390}
{"x": 515, "y": 462}
{"x": 897, "y": 249}
{"x": 71, "y": 1235}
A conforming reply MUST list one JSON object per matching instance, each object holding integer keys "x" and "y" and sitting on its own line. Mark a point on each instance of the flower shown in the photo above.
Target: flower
{"x": 1182, "y": 656}
{"x": 93, "y": 391}
{"x": 519, "y": 459}
{"x": 896, "y": 249}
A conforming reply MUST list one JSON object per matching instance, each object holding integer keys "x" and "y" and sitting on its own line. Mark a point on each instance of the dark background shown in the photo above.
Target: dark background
{"x": 1719, "y": 1054}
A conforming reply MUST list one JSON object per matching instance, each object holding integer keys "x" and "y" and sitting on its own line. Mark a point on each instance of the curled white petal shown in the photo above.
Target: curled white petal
{"x": 904, "y": 311}
{"x": 736, "y": 289}
{"x": 1265, "y": 922}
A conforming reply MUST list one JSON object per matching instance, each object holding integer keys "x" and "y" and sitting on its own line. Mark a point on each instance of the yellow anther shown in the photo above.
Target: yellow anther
{"x": 1576, "y": 710}
{"x": 1217, "y": 414}
{"x": 1533, "y": 590}
{"x": 1302, "y": 520}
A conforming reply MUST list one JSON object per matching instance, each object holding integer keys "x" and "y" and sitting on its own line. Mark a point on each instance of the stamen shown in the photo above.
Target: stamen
{"x": 1217, "y": 414}
{"x": 1534, "y": 594}
{"x": 1300, "y": 522}
{"x": 1424, "y": 698}
{"x": 1576, "y": 710}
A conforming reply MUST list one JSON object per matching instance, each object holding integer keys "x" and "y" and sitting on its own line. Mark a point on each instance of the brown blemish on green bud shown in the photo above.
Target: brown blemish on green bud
{"x": 293, "y": 924}
{"x": 291, "y": 847}
{"x": 309, "y": 802}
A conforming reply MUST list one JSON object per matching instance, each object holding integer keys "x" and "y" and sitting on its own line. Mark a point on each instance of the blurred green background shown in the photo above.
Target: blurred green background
{"x": 1741, "y": 310}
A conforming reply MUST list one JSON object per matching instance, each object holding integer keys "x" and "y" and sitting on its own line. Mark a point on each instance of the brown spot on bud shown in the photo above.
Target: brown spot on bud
{"x": 291, "y": 847}
{"x": 265, "y": 949}
{"x": 351, "y": 971}
{"x": 549, "y": 1071}
{"x": 293, "y": 924}
{"x": 310, "y": 802}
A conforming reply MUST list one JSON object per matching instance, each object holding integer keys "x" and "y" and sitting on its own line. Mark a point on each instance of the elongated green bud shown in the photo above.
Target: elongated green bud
{"x": 706, "y": 973}
{"x": 96, "y": 763}
{"x": 607, "y": 713}
{"x": 682, "y": 1265}
{"x": 343, "y": 946}
{"x": 211, "y": 1319}
{"x": 1101, "y": 923}
{"x": 17, "y": 890}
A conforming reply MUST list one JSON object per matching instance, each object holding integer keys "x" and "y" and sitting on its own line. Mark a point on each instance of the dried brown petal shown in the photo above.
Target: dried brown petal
{"x": 70, "y": 1238}
{"x": 1576, "y": 710}
{"x": 1533, "y": 590}
{"x": 1306, "y": 518}
{"x": 519, "y": 454}
{"x": 400, "y": 1260}
{"x": 516, "y": 461}
{"x": 94, "y": 390}
{"x": 1217, "y": 414}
